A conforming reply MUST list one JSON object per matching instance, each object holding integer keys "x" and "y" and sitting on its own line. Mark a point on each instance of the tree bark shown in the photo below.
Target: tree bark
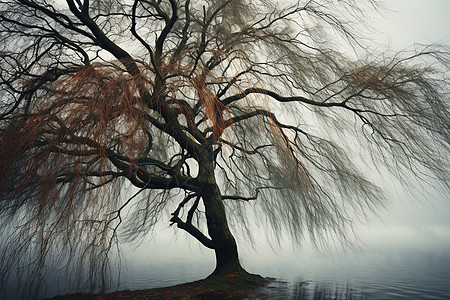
{"x": 225, "y": 247}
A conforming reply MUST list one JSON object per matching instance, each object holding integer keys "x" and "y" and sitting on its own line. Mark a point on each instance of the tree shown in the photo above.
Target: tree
{"x": 211, "y": 110}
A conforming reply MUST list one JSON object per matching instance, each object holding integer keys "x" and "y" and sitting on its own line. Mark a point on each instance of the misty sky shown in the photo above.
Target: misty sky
{"x": 408, "y": 21}
{"x": 424, "y": 222}
{"x": 405, "y": 223}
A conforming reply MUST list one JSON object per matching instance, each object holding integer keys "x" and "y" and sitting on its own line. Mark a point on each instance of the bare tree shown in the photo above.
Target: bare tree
{"x": 211, "y": 109}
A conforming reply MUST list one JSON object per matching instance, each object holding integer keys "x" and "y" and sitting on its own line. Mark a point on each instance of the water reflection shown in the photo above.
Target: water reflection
{"x": 327, "y": 291}
{"x": 390, "y": 276}
{"x": 307, "y": 290}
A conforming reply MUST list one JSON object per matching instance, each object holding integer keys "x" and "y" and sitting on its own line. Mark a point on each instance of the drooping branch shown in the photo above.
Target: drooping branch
{"x": 187, "y": 226}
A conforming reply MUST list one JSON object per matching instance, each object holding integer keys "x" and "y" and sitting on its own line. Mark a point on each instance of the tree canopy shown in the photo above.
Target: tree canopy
{"x": 213, "y": 111}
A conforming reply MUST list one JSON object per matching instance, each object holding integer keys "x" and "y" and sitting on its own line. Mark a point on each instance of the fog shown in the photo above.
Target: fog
{"x": 423, "y": 222}
{"x": 408, "y": 222}
{"x": 413, "y": 21}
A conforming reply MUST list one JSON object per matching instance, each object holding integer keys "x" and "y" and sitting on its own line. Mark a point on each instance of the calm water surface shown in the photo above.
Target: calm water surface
{"x": 383, "y": 275}
{"x": 376, "y": 275}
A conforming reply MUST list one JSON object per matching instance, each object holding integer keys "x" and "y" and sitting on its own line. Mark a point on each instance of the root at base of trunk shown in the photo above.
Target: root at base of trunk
{"x": 233, "y": 284}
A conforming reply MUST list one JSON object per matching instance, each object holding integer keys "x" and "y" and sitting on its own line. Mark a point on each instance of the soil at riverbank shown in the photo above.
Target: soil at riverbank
{"x": 229, "y": 287}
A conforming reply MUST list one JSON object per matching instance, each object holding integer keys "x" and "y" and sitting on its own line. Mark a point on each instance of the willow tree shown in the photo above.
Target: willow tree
{"x": 213, "y": 111}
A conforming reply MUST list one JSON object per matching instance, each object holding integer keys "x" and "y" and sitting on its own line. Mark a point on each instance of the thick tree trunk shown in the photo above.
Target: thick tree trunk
{"x": 225, "y": 247}
{"x": 227, "y": 258}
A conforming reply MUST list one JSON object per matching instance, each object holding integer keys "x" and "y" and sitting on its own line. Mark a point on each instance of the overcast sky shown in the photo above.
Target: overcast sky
{"x": 425, "y": 222}
{"x": 422, "y": 223}
{"x": 408, "y": 21}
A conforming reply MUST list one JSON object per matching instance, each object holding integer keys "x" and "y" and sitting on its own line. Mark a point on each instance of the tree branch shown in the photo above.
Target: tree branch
{"x": 227, "y": 101}
{"x": 192, "y": 230}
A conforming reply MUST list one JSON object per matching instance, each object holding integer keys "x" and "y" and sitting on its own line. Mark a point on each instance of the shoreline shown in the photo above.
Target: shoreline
{"x": 229, "y": 287}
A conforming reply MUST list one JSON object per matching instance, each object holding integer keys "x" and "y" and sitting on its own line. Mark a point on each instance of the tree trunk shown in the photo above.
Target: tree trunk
{"x": 225, "y": 247}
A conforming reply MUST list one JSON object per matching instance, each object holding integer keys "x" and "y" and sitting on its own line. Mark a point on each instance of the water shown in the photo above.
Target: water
{"x": 413, "y": 276}
{"x": 393, "y": 274}
{"x": 375, "y": 274}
